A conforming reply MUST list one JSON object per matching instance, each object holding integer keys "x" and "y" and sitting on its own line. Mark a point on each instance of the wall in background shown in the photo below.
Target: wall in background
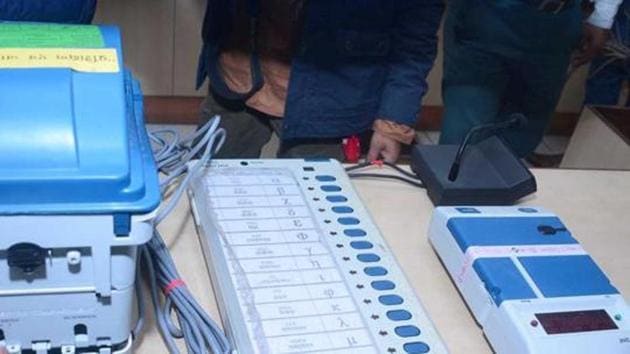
{"x": 162, "y": 40}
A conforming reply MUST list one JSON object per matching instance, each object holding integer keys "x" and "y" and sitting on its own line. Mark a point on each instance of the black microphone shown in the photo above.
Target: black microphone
{"x": 517, "y": 120}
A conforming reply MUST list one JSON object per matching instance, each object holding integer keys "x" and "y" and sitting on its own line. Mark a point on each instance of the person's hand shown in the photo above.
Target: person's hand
{"x": 383, "y": 147}
{"x": 593, "y": 42}
{"x": 3, "y": 350}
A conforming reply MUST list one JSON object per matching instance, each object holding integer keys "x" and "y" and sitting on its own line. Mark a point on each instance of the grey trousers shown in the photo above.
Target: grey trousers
{"x": 248, "y": 131}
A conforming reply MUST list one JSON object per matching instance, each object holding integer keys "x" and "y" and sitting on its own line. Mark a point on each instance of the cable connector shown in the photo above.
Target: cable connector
{"x": 378, "y": 163}
{"x": 174, "y": 284}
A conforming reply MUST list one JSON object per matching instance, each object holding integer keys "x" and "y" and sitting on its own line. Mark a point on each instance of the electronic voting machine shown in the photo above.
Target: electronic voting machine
{"x": 299, "y": 267}
{"x": 529, "y": 283}
{"x": 78, "y": 190}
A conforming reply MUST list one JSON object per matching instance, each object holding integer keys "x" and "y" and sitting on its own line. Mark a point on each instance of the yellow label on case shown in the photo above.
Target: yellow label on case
{"x": 100, "y": 60}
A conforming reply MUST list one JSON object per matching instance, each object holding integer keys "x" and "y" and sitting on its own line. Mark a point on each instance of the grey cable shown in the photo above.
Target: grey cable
{"x": 140, "y": 302}
{"x": 178, "y": 314}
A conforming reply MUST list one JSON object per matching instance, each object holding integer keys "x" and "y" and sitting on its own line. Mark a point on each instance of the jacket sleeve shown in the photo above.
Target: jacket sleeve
{"x": 413, "y": 51}
{"x": 66, "y": 11}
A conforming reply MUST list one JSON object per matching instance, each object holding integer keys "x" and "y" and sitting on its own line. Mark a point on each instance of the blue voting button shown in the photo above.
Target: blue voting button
{"x": 390, "y": 300}
{"x": 330, "y": 188}
{"x": 325, "y": 178}
{"x": 348, "y": 221}
{"x": 416, "y": 348}
{"x": 398, "y": 315}
{"x": 375, "y": 271}
{"x": 342, "y": 209}
{"x": 383, "y": 285}
{"x": 336, "y": 199}
{"x": 354, "y": 232}
{"x": 361, "y": 245}
{"x": 368, "y": 257}
{"x": 407, "y": 331}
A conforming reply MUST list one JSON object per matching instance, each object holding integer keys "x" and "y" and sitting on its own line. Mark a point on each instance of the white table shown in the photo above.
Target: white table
{"x": 595, "y": 205}
{"x": 601, "y": 140}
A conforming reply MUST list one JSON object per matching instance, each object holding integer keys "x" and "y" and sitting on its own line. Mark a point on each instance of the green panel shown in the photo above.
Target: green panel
{"x": 23, "y": 35}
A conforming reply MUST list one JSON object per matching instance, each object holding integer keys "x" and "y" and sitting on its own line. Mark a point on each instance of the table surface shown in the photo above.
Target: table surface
{"x": 593, "y": 204}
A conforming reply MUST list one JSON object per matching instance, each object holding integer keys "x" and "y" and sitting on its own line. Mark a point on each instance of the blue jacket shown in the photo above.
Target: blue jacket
{"x": 62, "y": 11}
{"x": 357, "y": 60}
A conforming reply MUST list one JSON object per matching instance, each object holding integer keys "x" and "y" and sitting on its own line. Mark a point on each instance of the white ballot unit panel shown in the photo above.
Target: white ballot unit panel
{"x": 297, "y": 264}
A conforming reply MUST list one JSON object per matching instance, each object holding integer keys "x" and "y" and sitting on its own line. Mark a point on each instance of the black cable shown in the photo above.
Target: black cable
{"x": 516, "y": 120}
{"x": 402, "y": 171}
{"x": 384, "y": 163}
{"x": 394, "y": 177}
{"x": 358, "y": 166}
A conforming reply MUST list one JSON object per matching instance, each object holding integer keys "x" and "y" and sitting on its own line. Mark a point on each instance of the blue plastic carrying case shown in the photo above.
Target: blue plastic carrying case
{"x": 74, "y": 142}
{"x": 78, "y": 191}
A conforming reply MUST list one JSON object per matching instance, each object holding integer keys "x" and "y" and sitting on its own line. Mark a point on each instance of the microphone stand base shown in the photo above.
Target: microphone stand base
{"x": 490, "y": 174}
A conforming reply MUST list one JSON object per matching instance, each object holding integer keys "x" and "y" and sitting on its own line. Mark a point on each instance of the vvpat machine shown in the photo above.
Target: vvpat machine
{"x": 78, "y": 188}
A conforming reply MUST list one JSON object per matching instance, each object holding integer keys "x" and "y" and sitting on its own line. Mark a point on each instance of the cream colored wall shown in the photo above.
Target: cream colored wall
{"x": 162, "y": 39}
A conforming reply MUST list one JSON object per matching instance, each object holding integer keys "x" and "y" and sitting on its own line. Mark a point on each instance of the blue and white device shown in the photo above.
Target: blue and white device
{"x": 78, "y": 190}
{"x": 529, "y": 283}
{"x": 299, "y": 267}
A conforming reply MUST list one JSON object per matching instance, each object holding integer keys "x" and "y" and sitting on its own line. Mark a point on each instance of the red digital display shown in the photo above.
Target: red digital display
{"x": 576, "y": 321}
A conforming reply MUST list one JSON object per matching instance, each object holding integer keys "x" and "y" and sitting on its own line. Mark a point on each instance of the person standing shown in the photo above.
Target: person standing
{"x": 508, "y": 56}
{"x": 66, "y": 11}
{"x": 316, "y": 72}
{"x": 611, "y": 69}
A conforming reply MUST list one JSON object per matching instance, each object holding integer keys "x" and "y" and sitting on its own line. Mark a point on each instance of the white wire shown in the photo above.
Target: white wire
{"x": 200, "y": 334}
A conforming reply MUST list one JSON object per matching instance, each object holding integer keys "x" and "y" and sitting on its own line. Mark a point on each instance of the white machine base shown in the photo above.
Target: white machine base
{"x": 529, "y": 283}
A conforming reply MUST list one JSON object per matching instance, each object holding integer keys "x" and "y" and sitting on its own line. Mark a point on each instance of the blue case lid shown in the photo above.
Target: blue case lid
{"x": 508, "y": 231}
{"x": 554, "y": 276}
{"x": 74, "y": 142}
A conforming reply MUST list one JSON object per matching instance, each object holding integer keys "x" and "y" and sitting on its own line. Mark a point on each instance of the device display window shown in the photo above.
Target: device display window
{"x": 576, "y": 321}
